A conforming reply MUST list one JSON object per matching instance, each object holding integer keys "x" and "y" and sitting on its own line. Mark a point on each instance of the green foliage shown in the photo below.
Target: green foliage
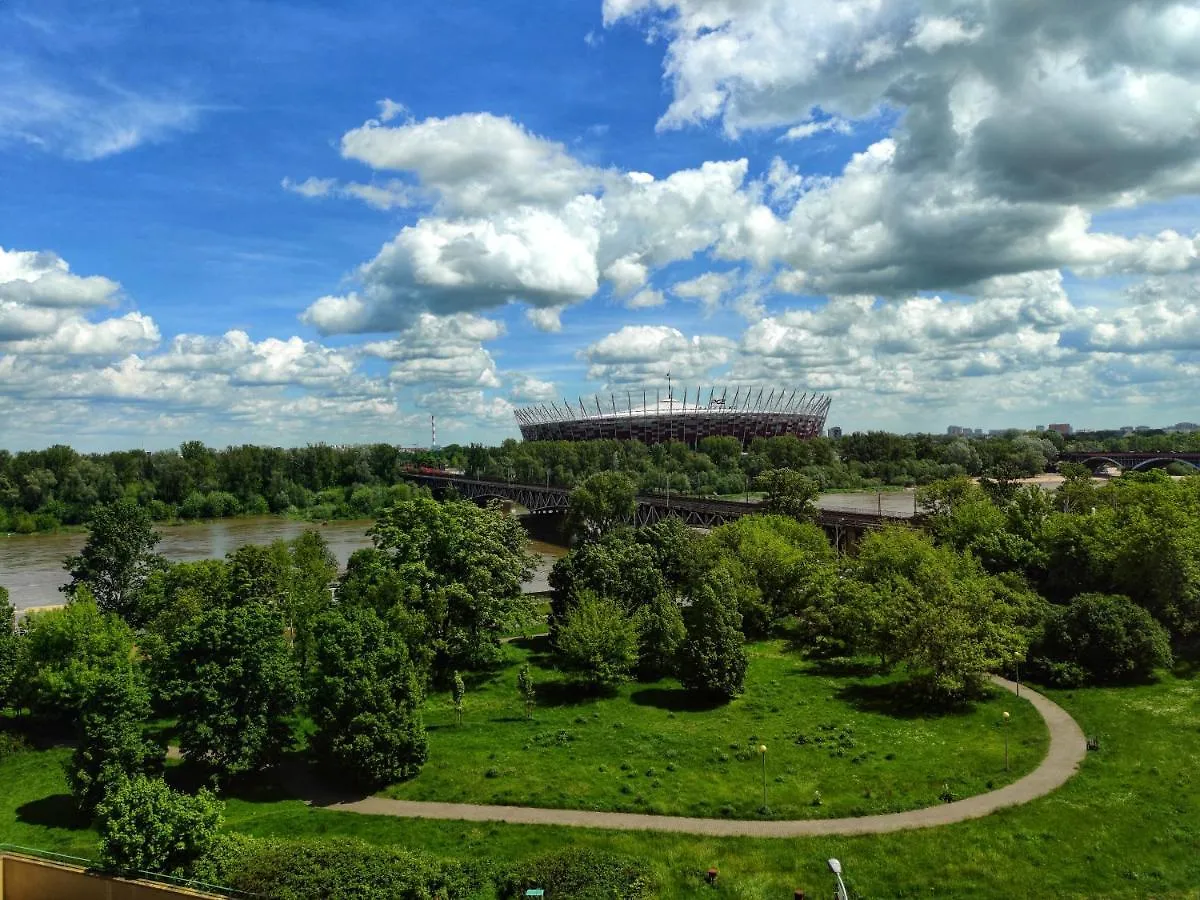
{"x": 712, "y": 658}
{"x": 147, "y": 827}
{"x": 11, "y": 648}
{"x": 619, "y": 567}
{"x": 234, "y": 687}
{"x": 365, "y": 699}
{"x": 661, "y": 632}
{"x": 909, "y": 601}
{"x": 601, "y": 503}
{"x": 341, "y": 869}
{"x": 789, "y": 493}
{"x": 1100, "y": 639}
{"x": 598, "y": 642}
{"x": 117, "y": 559}
{"x": 465, "y": 565}
{"x": 64, "y": 651}
{"x": 527, "y": 690}
{"x": 582, "y": 874}
{"x": 112, "y": 745}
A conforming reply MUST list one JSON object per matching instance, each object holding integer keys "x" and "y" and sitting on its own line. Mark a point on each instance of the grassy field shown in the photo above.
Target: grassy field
{"x": 839, "y": 743}
{"x": 1127, "y": 826}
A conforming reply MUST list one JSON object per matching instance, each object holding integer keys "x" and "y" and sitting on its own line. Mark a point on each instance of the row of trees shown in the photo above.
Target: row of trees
{"x": 43, "y": 489}
{"x": 1086, "y": 585}
{"x": 236, "y": 653}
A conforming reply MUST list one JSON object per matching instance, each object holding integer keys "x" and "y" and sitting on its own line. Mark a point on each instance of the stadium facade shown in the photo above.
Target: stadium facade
{"x": 651, "y": 418}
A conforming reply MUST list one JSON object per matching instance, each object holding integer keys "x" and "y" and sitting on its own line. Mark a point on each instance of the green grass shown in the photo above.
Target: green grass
{"x": 1128, "y": 825}
{"x": 652, "y": 748}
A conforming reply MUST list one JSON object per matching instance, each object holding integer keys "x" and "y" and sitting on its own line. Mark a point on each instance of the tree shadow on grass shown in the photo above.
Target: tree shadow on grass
{"x": 566, "y": 693}
{"x": 898, "y": 699}
{"x": 839, "y": 667}
{"x": 55, "y": 811}
{"x": 677, "y": 700}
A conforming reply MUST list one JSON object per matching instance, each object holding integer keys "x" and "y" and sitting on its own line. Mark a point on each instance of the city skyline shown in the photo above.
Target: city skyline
{"x": 286, "y": 223}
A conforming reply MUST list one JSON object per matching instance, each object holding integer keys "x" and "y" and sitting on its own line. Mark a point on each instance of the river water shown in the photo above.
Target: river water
{"x": 31, "y": 566}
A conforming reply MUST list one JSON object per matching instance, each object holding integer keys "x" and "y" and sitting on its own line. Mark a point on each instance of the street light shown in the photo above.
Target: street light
{"x": 1005, "y": 726}
{"x": 836, "y": 868}
{"x": 762, "y": 751}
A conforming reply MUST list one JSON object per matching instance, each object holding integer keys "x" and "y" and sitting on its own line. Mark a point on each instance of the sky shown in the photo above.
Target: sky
{"x": 283, "y": 222}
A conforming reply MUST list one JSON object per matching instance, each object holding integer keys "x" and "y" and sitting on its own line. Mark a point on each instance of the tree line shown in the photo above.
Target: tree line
{"x": 44, "y": 489}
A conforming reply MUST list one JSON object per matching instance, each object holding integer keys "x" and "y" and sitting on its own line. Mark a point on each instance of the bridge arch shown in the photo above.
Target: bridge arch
{"x": 1095, "y": 463}
{"x": 1162, "y": 462}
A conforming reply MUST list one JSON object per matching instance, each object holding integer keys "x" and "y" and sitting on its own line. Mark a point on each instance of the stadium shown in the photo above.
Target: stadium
{"x": 653, "y": 419}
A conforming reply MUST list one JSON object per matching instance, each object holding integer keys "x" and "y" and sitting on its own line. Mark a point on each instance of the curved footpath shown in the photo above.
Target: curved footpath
{"x": 1067, "y": 749}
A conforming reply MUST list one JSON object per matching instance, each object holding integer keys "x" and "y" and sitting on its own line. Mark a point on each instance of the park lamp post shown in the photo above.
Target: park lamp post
{"x": 836, "y": 868}
{"x": 1005, "y": 727}
{"x": 762, "y": 751}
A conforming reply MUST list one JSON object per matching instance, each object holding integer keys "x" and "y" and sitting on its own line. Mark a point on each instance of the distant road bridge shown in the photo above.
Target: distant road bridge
{"x": 1133, "y": 461}
{"x": 697, "y": 512}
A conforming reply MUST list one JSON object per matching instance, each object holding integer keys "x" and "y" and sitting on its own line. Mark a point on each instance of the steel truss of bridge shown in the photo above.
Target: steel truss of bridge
{"x": 698, "y": 513}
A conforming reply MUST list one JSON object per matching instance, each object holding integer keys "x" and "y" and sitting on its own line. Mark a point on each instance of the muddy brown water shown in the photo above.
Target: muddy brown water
{"x": 31, "y": 566}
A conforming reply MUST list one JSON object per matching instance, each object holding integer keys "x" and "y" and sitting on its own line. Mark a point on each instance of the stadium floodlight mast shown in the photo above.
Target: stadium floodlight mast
{"x": 836, "y": 868}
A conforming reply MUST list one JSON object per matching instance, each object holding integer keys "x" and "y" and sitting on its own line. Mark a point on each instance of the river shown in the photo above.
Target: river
{"x": 31, "y": 566}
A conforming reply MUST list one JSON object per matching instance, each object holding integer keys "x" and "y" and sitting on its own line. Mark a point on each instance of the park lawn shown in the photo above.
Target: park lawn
{"x": 1128, "y": 825}
{"x": 839, "y": 743}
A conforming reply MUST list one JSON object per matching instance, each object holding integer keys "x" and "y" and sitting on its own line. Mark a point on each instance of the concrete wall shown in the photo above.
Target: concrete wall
{"x": 25, "y": 878}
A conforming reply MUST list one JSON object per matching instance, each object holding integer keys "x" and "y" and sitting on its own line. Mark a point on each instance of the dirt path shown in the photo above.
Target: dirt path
{"x": 1067, "y": 749}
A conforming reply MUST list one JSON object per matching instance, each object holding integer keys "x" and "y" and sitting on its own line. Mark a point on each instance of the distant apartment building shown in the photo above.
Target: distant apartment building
{"x": 1040, "y": 428}
{"x": 957, "y": 431}
{"x": 1184, "y": 426}
{"x": 1062, "y": 428}
{"x": 835, "y": 431}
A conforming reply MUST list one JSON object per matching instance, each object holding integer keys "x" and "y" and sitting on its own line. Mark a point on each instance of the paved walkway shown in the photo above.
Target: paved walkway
{"x": 1067, "y": 749}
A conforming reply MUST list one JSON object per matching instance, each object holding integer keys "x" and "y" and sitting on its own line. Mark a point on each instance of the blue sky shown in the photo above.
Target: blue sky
{"x": 282, "y": 222}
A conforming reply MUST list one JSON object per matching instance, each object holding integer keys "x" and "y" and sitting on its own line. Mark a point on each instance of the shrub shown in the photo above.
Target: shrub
{"x": 1100, "y": 638}
{"x": 146, "y": 826}
{"x": 598, "y": 642}
{"x": 337, "y": 868}
{"x": 582, "y": 874}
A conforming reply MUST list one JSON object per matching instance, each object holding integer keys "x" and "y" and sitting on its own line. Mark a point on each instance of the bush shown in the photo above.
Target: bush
{"x": 581, "y": 874}
{"x": 339, "y": 868}
{"x": 145, "y": 826}
{"x": 1102, "y": 639}
{"x": 598, "y": 642}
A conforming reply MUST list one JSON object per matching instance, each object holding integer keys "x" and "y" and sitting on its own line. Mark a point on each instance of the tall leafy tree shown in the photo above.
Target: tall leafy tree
{"x": 712, "y": 658}
{"x": 64, "y": 650}
{"x": 788, "y": 493}
{"x": 10, "y": 650}
{"x": 601, "y": 503}
{"x": 112, "y": 744}
{"x": 618, "y": 567}
{"x": 117, "y": 559}
{"x": 365, "y": 698}
{"x": 147, "y": 827}
{"x": 234, "y": 686}
{"x": 467, "y": 565}
{"x": 661, "y": 632}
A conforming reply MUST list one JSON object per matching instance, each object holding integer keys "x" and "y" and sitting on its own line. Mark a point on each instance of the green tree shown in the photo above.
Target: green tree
{"x": 460, "y": 692}
{"x": 618, "y": 567}
{"x": 788, "y": 493}
{"x": 660, "y": 634}
{"x": 10, "y": 650}
{"x": 712, "y": 659}
{"x": 147, "y": 827}
{"x": 467, "y": 565}
{"x": 1100, "y": 639}
{"x": 601, "y": 503}
{"x": 527, "y": 690}
{"x": 234, "y": 687}
{"x": 117, "y": 559}
{"x": 598, "y": 642}
{"x": 64, "y": 651}
{"x": 365, "y": 698}
{"x": 112, "y": 743}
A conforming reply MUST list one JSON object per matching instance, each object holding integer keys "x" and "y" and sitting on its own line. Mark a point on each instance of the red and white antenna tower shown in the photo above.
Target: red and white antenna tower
{"x": 433, "y": 432}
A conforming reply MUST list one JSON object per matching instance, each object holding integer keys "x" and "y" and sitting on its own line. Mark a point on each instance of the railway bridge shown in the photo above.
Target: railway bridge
{"x": 841, "y": 524}
{"x": 1132, "y": 460}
